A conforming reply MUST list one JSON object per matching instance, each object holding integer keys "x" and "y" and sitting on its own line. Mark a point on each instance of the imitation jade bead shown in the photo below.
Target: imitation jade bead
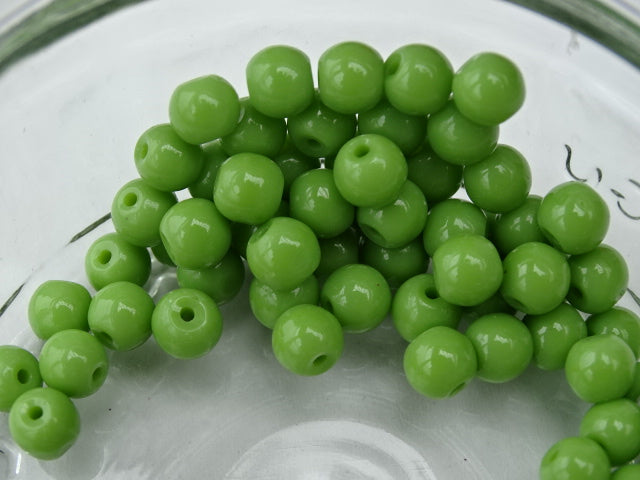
{"x": 395, "y": 264}
{"x": 627, "y": 472}
{"x": 618, "y": 321}
{"x": 575, "y": 458}
{"x": 437, "y": 179}
{"x": 520, "y": 225}
{"x": 58, "y": 305}
{"x": 213, "y": 156}
{"x": 451, "y": 218}
{"x": 19, "y": 372}
{"x": 338, "y": 251}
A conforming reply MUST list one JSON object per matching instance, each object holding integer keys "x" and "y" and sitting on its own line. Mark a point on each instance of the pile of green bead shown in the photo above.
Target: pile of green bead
{"x": 339, "y": 200}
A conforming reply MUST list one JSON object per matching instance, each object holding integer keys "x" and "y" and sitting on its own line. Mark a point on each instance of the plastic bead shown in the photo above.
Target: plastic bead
{"x": 213, "y": 156}
{"x": 19, "y": 372}
{"x": 451, "y": 218}
{"x": 618, "y": 321}
{"x": 395, "y": 264}
{"x": 575, "y": 458}
{"x": 338, "y": 251}
{"x": 437, "y": 179}
{"x": 520, "y": 225}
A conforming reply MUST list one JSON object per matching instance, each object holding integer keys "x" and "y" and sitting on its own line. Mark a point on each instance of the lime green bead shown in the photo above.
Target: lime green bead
{"x": 165, "y": 161}
{"x": 627, "y": 472}
{"x": 160, "y": 254}
{"x": 437, "y": 179}
{"x": 44, "y": 423}
{"x": 293, "y": 163}
{"x": 417, "y": 79}
{"x": 440, "y": 362}
{"x": 395, "y": 264}
{"x": 19, "y": 373}
{"x": 120, "y": 316}
{"x": 241, "y": 232}
{"x": 350, "y": 77}
{"x": 451, "y": 218}
{"x": 280, "y": 81}
{"x": 575, "y": 458}
{"x": 58, "y": 305}
{"x": 204, "y": 109}
{"x": 213, "y": 156}
{"x": 618, "y": 321}
{"x": 520, "y": 225}
{"x": 111, "y": 259}
{"x": 338, "y": 251}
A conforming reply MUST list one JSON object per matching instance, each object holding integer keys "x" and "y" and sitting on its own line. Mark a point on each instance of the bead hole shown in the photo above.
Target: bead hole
{"x": 319, "y": 360}
{"x": 372, "y": 234}
{"x": 186, "y": 314}
{"x": 142, "y": 150}
{"x": 98, "y": 374}
{"x": 514, "y": 303}
{"x": 431, "y": 293}
{"x": 313, "y": 143}
{"x": 104, "y": 338}
{"x": 23, "y": 376}
{"x": 361, "y": 151}
{"x": 130, "y": 199}
{"x": 35, "y": 412}
{"x": 104, "y": 257}
{"x": 393, "y": 64}
{"x": 457, "y": 389}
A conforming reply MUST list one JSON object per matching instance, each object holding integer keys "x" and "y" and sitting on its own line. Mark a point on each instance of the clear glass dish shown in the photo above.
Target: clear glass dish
{"x": 70, "y": 113}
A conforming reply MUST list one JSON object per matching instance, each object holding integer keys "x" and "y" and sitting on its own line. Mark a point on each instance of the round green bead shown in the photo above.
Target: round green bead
{"x": 338, "y": 251}
{"x": 241, "y": 232}
{"x": 451, "y": 218}
{"x": 494, "y": 304}
{"x": 19, "y": 372}
{"x": 618, "y": 321}
{"x": 120, "y": 316}
{"x": 58, "y": 305}
{"x": 575, "y": 458}
{"x": 520, "y": 225}
{"x": 213, "y": 156}
{"x": 395, "y": 264}
{"x": 204, "y": 109}
{"x": 437, "y": 179}
{"x": 627, "y": 472}
{"x": 293, "y": 163}
{"x": 350, "y": 77}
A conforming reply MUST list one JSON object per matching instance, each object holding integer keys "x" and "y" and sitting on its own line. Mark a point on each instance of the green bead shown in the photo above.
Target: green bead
{"x": 74, "y": 362}
{"x": 315, "y": 200}
{"x": 204, "y": 109}
{"x": 370, "y": 170}
{"x": 467, "y": 270}
{"x": 120, "y": 316}
{"x": 58, "y": 305}
{"x": 280, "y": 81}
{"x": 600, "y": 368}
{"x": 213, "y": 156}
{"x": 137, "y": 210}
{"x": 44, "y": 423}
{"x": 634, "y": 392}
{"x": 573, "y": 217}
{"x": 248, "y": 188}
{"x": 398, "y": 223}
{"x": 451, "y": 218}
{"x": 359, "y": 297}
{"x": 627, "y": 472}
{"x": 503, "y": 345}
{"x": 599, "y": 279}
{"x": 458, "y": 140}
{"x": 19, "y": 372}
{"x": 417, "y": 79}
{"x": 440, "y": 362}
{"x": 494, "y": 304}
{"x": 111, "y": 259}
{"x": 553, "y": 334}
{"x": 195, "y": 234}
{"x": 396, "y": 264}
{"x": 615, "y": 425}
{"x": 268, "y": 304}
{"x": 618, "y": 321}
{"x": 500, "y": 182}
{"x": 575, "y": 458}
{"x": 160, "y": 254}
{"x": 437, "y": 179}
{"x": 488, "y": 88}
{"x": 186, "y": 323}
{"x": 406, "y": 131}
{"x": 520, "y": 225}
{"x": 241, "y": 232}
{"x": 350, "y": 77}
{"x": 221, "y": 282}
{"x": 293, "y": 163}
{"x": 416, "y": 307}
{"x": 338, "y": 251}
{"x": 307, "y": 340}
{"x": 283, "y": 252}
{"x": 165, "y": 161}
{"x": 536, "y": 278}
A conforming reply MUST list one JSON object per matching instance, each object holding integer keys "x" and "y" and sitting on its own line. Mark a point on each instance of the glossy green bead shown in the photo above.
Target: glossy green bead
{"x": 280, "y": 81}
{"x": 44, "y": 423}
{"x": 307, "y": 340}
{"x": 195, "y": 233}
{"x": 165, "y": 161}
{"x": 248, "y": 188}
{"x": 137, "y": 210}
{"x": 74, "y": 362}
{"x": 186, "y": 323}
{"x": 520, "y": 225}
{"x": 19, "y": 372}
{"x": 350, "y": 77}
{"x": 500, "y": 182}
{"x": 573, "y": 217}
{"x": 283, "y": 252}
{"x": 111, "y": 259}
{"x": 600, "y": 368}
{"x": 204, "y": 109}
{"x": 599, "y": 279}
{"x": 213, "y": 156}
{"x": 494, "y": 304}
{"x": 268, "y": 304}
{"x": 451, "y": 218}
{"x": 315, "y": 200}
{"x": 440, "y": 362}
{"x": 503, "y": 345}
{"x": 618, "y": 321}
{"x": 553, "y": 334}
{"x": 358, "y": 295}
{"x": 58, "y": 305}
{"x": 241, "y": 232}
{"x": 338, "y": 251}
{"x": 399, "y": 222}
{"x": 536, "y": 278}
{"x": 160, "y": 254}
{"x": 467, "y": 270}
{"x": 437, "y": 179}
{"x": 293, "y": 163}
{"x": 319, "y": 131}
{"x": 627, "y": 472}
{"x": 615, "y": 425}
{"x": 406, "y": 131}
{"x": 370, "y": 170}
{"x": 575, "y": 458}
{"x": 488, "y": 88}
{"x": 417, "y": 79}
{"x": 396, "y": 264}
{"x": 458, "y": 140}
{"x": 416, "y": 307}
{"x": 120, "y": 316}
{"x": 221, "y": 282}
